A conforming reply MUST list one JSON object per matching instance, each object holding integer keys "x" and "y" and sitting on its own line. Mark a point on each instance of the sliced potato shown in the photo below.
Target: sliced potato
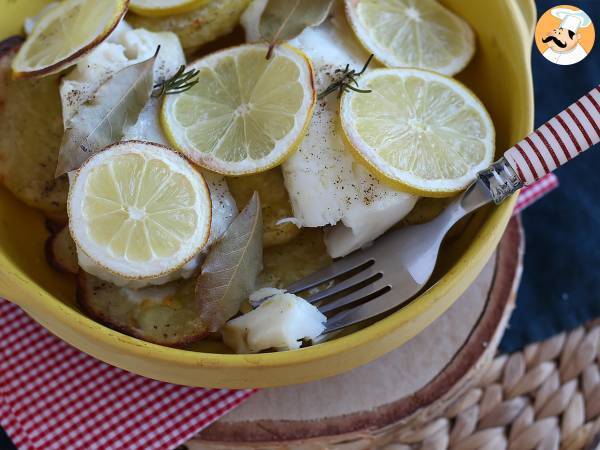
{"x": 275, "y": 203}
{"x": 30, "y": 134}
{"x": 61, "y": 252}
{"x": 165, "y": 315}
{"x": 199, "y": 26}
{"x": 287, "y": 263}
{"x": 155, "y": 8}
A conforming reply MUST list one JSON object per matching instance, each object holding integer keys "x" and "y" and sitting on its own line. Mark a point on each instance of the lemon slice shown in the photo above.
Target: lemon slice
{"x": 65, "y": 33}
{"x": 157, "y": 8}
{"x": 139, "y": 210}
{"x": 247, "y": 113}
{"x": 421, "y": 131}
{"x": 412, "y": 33}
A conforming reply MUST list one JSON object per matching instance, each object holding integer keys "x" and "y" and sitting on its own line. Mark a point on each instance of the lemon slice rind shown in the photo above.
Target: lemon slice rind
{"x": 103, "y": 256}
{"x": 384, "y": 55}
{"x": 177, "y": 134}
{"x": 20, "y": 67}
{"x": 405, "y": 179}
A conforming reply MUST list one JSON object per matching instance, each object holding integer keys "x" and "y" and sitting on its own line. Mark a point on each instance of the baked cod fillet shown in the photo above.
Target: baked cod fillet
{"x": 326, "y": 185}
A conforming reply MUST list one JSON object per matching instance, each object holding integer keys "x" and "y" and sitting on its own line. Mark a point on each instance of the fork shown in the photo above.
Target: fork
{"x": 397, "y": 266}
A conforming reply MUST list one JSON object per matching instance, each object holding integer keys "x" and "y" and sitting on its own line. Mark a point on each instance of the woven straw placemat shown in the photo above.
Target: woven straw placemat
{"x": 545, "y": 397}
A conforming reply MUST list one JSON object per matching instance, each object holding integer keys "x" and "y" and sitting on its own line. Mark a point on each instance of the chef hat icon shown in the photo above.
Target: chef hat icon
{"x": 571, "y": 19}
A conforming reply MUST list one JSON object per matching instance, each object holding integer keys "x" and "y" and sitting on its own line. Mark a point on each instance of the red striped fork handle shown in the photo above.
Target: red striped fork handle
{"x": 559, "y": 140}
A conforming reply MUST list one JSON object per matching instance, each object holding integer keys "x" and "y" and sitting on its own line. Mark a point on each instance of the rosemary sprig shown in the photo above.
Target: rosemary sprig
{"x": 180, "y": 82}
{"x": 345, "y": 81}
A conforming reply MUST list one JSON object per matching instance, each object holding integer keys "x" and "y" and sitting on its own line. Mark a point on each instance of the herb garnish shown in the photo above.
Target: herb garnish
{"x": 345, "y": 80}
{"x": 103, "y": 117}
{"x": 282, "y": 20}
{"x": 231, "y": 267}
{"x": 180, "y": 82}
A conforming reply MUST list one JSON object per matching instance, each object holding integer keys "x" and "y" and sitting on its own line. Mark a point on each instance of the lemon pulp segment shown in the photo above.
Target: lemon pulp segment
{"x": 138, "y": 209}
{"x": 412, "y": 33}
{"x": 138, "y": 212}
{"x": 65, "y": 33}
{"x": 246, "y": 113}
{"x": 421, "y": 130}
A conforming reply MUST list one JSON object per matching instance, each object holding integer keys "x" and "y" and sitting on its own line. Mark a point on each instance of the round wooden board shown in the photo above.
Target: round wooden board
{"x": 412, "y": 382}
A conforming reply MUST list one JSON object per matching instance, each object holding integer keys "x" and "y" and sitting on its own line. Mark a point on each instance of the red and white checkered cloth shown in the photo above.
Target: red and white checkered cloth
{"x": 54, "y": 397}
{"x": 530, "y": 194}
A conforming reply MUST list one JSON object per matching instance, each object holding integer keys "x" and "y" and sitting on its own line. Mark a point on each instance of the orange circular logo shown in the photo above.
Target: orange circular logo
{"x": 565, "y": 35}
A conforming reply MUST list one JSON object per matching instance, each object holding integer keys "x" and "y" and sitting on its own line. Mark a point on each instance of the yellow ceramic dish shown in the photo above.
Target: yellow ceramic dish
{"x": 499, "y": 74}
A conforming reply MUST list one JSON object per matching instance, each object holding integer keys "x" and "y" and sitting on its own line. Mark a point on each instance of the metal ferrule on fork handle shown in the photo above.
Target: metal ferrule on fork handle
{"x": 501, "y": 180}
{"x": 556, "y": 142}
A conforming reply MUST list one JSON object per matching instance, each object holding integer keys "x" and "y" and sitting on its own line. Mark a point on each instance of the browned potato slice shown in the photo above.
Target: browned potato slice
{"x": 61, "y": 252}
{"x": 287, "y": 263}
{"x": 30, "y": 134}
{"x": 165, "y": 315}
{"x": 274, "y": 200}
{"x": 196, "y": 28}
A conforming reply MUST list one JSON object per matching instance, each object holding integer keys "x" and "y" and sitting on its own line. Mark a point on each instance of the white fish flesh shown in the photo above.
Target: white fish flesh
{"x": 280, "y": 322}
{"x": 326, "y": 185}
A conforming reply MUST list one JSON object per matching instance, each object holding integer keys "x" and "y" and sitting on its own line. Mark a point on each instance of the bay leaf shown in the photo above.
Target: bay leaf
{"x": 282, "y": 20}
{"x": 231, "y": 268}
{"x": 100, "y": 120}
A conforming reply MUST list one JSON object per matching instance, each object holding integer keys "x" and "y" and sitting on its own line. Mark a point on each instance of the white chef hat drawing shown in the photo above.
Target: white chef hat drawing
{"x": 571, "y": 19}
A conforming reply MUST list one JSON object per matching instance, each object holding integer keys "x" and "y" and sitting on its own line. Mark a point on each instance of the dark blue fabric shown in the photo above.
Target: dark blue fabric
{"x": 5, "y": 443}
{"x": 561, "y": 280}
